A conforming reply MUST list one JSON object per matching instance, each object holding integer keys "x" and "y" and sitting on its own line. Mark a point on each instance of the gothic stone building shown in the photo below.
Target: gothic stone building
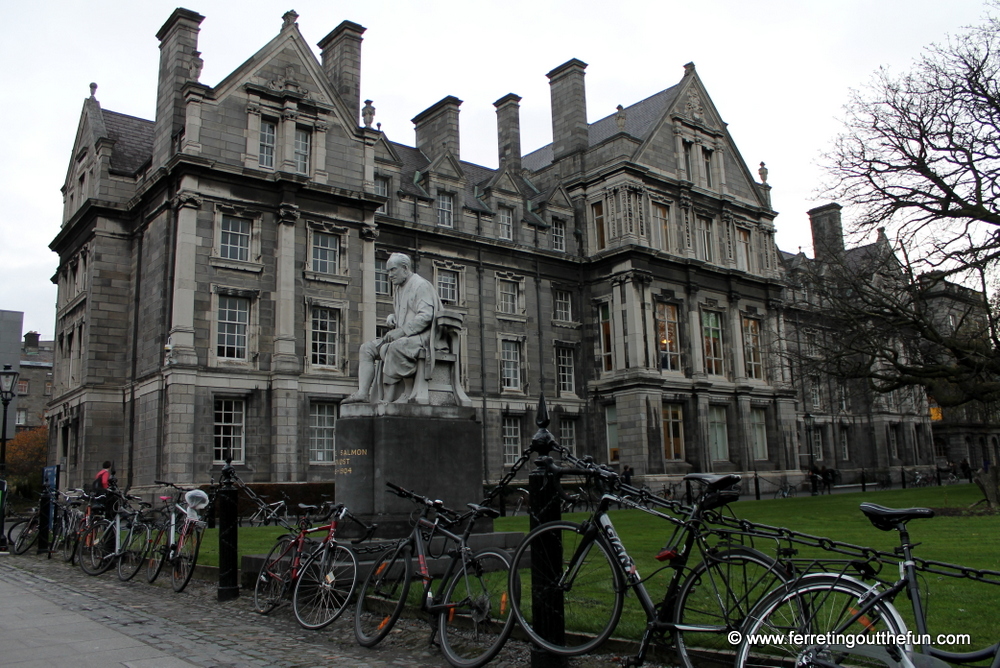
{"x": 220, "y": 266}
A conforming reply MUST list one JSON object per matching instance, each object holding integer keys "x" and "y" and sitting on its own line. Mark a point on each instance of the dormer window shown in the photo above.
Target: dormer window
{"x": 505, "y": 223}
{"x": 445, "y": 210}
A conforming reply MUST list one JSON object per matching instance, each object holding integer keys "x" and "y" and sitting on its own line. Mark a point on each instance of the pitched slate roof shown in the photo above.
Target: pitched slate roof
{"x": 639, "y": 121}
{"x": 133, "y": 141}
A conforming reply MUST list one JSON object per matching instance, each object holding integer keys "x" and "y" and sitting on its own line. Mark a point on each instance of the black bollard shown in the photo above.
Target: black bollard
{"x": 756, "y": 485}
{"x": 938, "y": 470}
{"x": 864, "y": 488}
{"x": 225, "y": 502}
{"x": 44, "y": 513}
{"x": 546, "y": 603}
{"x": 902, "y": 477}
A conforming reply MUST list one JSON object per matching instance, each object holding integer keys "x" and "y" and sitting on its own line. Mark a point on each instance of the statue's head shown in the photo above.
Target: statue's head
{"x": 399, "y": 268}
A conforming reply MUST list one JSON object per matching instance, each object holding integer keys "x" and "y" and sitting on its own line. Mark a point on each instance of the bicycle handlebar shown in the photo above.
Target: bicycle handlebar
{"x": 435, "y": 504}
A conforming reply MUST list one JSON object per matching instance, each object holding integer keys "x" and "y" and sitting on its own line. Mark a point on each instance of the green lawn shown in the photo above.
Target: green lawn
{"x": 955, "y": 605}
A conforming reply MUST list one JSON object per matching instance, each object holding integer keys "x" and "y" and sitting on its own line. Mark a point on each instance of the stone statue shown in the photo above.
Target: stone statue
{"x": 414, "y": 324}
{"x": 368, "y": 114}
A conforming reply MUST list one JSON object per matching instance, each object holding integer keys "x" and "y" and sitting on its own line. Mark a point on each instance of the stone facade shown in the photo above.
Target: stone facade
{"x": 220, "y": 266}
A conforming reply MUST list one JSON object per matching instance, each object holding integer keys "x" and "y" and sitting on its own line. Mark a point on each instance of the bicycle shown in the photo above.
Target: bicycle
{"x": 322, "y": 584}
{"x": 178, "y": 546}
{"x": 469, "y": 612}
{"x": 593, "y": 570}
{"x": 828, "y": 607}
{"x": 785, "y": 490}
{"x": 120, "y": 542}
{"x": 266, "y": 513}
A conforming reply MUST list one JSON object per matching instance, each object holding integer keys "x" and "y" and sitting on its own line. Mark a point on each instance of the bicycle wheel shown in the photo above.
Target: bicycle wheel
{"x": 274, "y": 576}
{"x": 186, "y": 556}
{"x": 158, "y": 553}
{"x": 97, "y": 544}
{"x": 134, "y": 547}
{"x": 258, "y": 519}
{"x": 325, "y": 584}
{"x": 68, "y": 547}
{"x": 13, "y": 529}
{"x": 27, "y": 536}
{"x": 474, "y": 630}
{"x": 819, "y": 604}
{"x": 717, "y": 595}
{"x": 383, "y": 595}
{"x": 587, "y": 579}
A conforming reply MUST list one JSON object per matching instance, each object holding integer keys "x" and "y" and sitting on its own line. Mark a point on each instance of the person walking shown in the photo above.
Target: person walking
{"x": 627, "y": 474}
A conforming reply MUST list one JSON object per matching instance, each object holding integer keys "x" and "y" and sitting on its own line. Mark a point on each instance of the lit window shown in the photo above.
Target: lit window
{"x": 598, "y": 209}
{"x": 381, "y": 277}
{"x": 563, "y": 306}
{"x": 268, "y": 134}
{"x": 447, "y": 285}
{"x": 511, "y": 440}
{"x": 507, "y": 301}
{"x": 325, "y": 331}
{"x": 611, "y": 425}
{"x": 751, "y": 348}
{"x": 559, "y": 235}
{"x": 322, "y": 429}
{"x": 510, "y": 365}
{"x": 668, "y": 336}
{"x": 445, "y": 210}
{"x": 758, "y": 433}
{"x": 229, "y": 430}
{"x": 673, "y": 432}
{"x": 505, "y": 223}
{"x": 234, "y": 238}
{"x": 711, "y": 324}
{"x": 382, "y": 189}
{"x": 303, "y": 142}
{"x": 565, "y": 370}
{"x": 234, "y": 318}
{"x": 604, "y": 312}
{"x": 718, "y": 433}
{"x": 326, "y": 253}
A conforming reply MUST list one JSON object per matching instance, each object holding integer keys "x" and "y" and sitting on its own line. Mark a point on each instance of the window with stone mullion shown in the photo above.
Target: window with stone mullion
{"x": 234, "y": 317}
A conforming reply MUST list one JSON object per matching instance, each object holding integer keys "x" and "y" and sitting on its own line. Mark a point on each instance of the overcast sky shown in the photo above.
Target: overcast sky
{"x": 778, "y": 71}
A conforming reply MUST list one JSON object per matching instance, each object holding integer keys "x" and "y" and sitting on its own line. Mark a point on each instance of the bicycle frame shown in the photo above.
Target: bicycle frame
{"x": 429, "y": 602}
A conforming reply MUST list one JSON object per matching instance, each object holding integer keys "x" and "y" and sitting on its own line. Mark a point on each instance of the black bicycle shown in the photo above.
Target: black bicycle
{"x": 469, "y": 612}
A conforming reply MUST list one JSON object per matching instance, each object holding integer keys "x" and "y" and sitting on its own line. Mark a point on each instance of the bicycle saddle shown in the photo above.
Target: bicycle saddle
{"x": 484, "y": 511}
{"x": 713, "y": 481}
{"x": 887, "y": 519}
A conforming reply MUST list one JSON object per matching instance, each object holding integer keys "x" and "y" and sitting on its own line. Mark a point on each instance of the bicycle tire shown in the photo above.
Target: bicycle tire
{"x": 13, "y": 529}
{"x": 27, "y": 536}
{"x": 324, "y": 587}
{"x": 186, "y": 556}
{"x": 383, "y": 595}
{"x": 273, "y": 577}
{"x": 719, "y": 593}
{"x": 158, "y": 554}
{"x": 476, "y": 628}
{"x": 817, "y": 604}
{"x": 134, "y": 548}
{"x": 592, "y": 602}
{"x": 94, "y": 555}
{"x": 68, "y": 547}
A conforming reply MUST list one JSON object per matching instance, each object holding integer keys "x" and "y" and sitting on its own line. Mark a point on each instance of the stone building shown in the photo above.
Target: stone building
{"x": 34, "y": 386}
{"x": 220, "y": 265}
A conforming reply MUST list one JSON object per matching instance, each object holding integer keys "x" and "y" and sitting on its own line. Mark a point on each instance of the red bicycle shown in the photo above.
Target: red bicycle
{"x": 319, "y": 574}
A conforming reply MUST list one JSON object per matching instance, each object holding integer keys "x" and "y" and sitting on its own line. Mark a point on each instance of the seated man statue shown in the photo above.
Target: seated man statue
{"x": 416, "y": 305}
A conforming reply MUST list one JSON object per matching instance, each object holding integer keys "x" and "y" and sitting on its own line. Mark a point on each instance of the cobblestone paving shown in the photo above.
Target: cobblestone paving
{"x": 194, "y": 626}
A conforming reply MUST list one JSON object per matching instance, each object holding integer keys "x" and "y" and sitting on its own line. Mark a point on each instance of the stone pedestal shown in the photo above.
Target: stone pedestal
{"x": 436, "y": 451}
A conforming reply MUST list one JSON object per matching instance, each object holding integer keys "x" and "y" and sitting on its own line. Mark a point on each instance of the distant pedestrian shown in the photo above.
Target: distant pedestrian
{"x": 826, "y": 479}
{"x": 627, "y": 474}
{"x": 966, "y": 469}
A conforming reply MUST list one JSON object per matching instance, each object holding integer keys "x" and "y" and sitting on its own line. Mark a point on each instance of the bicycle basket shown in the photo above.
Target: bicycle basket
{"x": 196, "y": 499}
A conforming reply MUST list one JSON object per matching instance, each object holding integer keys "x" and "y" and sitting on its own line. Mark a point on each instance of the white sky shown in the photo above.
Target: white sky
{"x": 778, "y": 71}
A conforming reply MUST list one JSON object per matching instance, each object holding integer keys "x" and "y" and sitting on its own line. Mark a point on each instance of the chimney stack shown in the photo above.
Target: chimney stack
{"x": 437, "y": 128}
{"x": 31, "y": 341}
{"x": 827, "y": 232}
{"x": 569, "y": 108}
{"x": 180, "y": 63}
{"x": 509, "y": 130}
{"x": 340, "y": 53}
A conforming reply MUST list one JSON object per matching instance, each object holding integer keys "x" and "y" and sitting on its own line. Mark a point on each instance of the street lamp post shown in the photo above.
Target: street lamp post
{"x": 8, "y": 381}
{"x": 809, "y": 420}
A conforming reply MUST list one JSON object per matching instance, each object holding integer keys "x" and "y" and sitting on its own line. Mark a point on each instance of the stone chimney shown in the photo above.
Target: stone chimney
{"x": 437, "y": 128}
{"x": 827, "y": 232}
{"x": 31, "y": 342}
{"x": 180, "y": 63}
{"x": 509, "y": 131}
{"x": 569, "y": 108}
{"x": 340, "y": 53}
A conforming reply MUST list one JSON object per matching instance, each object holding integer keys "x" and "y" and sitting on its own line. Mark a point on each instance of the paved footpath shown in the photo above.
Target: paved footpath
{"x": 53, "y": 615}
